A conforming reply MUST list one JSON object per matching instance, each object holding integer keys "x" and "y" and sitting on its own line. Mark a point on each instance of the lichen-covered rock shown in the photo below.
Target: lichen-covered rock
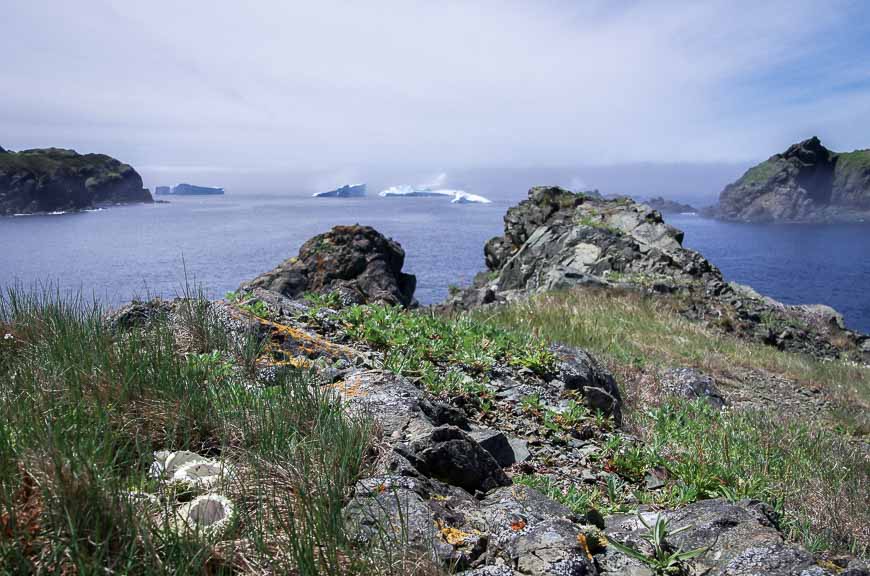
{"x": 451, "y": 455}
{"x": 738, "y": 539}
{"x": 54, "y": 179}
{"x": 692, "y": 384}
{"x": 560, "y": 240}
{"x": 209, "y": 515}
{"x": 358, "y": 262}
{"x": 578, "y": 370}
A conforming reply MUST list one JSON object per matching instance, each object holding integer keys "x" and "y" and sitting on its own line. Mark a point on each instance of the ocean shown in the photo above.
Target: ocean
{"x": 139, "y": 251}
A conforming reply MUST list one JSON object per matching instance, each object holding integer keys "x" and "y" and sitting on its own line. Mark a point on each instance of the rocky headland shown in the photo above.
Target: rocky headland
{"x": 558, "y": 240}
{"x": 57, "y": 180}
{"x": 668, "y": 206}
{"x": 317, "y": 421}
{"x": 806, "y": 183}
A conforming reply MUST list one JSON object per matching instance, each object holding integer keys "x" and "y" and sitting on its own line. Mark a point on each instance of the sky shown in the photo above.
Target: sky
{"x": 227, "y": 86}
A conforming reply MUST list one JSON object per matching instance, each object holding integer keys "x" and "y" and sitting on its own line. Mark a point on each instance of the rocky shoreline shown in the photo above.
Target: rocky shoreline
{"x": 448, "y": 478}
{"x": 557, "y": 240}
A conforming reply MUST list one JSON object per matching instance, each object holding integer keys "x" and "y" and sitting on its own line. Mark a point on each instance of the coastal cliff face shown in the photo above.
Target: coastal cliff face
{"x": 54, "y": 179}
{"x": 806, "y": 183}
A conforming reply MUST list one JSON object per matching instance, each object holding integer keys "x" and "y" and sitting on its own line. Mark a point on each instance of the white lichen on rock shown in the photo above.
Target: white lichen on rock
{"x": 210, "y": 515}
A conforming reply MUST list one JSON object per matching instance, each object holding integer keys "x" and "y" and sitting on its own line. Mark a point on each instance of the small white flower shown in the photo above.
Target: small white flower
{"x": 8, "y": 337}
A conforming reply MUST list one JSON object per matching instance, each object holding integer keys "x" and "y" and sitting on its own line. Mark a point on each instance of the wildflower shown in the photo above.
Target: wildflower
{"x": 8, "y": 337}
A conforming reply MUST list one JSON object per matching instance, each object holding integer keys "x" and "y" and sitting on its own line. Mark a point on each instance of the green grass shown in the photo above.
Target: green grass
{"x": 761, "y": 173}
{"x": 813, "y": 468}
{"x": 447, "y": 354}
{"x": 82, "y": 409}
{"x": 818, "y": 483}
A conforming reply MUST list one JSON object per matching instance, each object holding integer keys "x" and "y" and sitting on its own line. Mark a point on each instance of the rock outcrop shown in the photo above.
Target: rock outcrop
{"x": 806, "y": 183}
{"x": 557, "y": 240}
{"x": 54, "y": 179}
{"x": 357, "y": 262}
{"x": 446, "y": 480}
{"x": 667, "y": 206}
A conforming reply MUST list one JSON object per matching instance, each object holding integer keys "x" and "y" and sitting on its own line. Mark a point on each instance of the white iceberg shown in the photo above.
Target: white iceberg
{"x": 456, "y": 196}
{"x": 346, "y": 191}
{"x": 462, "y": 197}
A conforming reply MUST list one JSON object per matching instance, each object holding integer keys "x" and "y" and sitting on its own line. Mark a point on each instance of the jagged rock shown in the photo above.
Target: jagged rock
{"x": 451, "y": 455}
{"x": 578, "y": 370}
{"x": 54, "y": 179}
{"x": 807, "y": 182}
{"x": 739, "y": 539}
{"x": 691, "y": 383}
{"x": 356, "y": 261}
{"x": 559, "y": 240}
{"x": 505, "y": 450}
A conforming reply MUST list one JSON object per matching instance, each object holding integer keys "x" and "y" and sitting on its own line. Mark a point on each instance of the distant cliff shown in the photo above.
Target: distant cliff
{"x": 667, "y": 206}
{"x": 806, "y": 183}
{"x": 54, "y": 179}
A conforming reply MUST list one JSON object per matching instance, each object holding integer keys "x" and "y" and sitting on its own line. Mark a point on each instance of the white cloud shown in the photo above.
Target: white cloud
{"x": 315, "y": 85}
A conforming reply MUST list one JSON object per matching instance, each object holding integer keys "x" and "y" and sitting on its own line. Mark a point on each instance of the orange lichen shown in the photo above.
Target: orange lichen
{"x": 518, "y": 525}
{"x": 453, "y": 536}
{"x": 584, "y": 545}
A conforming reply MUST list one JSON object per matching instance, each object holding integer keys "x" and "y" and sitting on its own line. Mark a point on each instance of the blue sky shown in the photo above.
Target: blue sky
{"x": 310, "y": 85}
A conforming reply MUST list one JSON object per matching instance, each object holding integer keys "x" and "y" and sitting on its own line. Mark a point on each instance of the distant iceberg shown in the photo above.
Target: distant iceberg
{"x": 184, "y": 189}
{"x": 462, "y": 197}
{"x": 456, "y": 196}
{"x": 347, "y": 191}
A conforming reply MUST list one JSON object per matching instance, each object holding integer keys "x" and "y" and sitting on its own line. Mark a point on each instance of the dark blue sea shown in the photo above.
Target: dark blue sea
{"x": 138, "y": 251}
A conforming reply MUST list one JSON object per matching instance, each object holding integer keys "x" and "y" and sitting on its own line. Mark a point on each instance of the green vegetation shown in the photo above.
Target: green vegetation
{"x": 816, "y": 480}
{"x": 447, "y": 354}
{"x": 82, "y": 410}
{"x": 587, "y": 220}
{"x": 665, "y": 559}
{"x": 809, "y": 466}
{"x": 857, "y": 160}
{"x": 251, "y": 305}
{"x": 763, "y": 172}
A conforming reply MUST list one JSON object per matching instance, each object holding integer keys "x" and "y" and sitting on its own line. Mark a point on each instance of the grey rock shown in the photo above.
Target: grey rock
{"x": 449, "y": 454}
{"x": 578, "y": 370}
{"x": 690, "y": 383}
{"x": 505, "y": 450}
{"x": 740, "y": 540}
{"x": 356, "y": 261}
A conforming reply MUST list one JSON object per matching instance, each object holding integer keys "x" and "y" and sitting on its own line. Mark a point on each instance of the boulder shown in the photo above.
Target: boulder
{"x": 578, "y": 370}
{"x": 451, "y": 455}
{"x": 690, "y": 383}
{"x": 358, "y": 262}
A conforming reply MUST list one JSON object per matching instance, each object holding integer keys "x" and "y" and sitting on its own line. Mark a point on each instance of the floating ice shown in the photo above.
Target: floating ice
{"x": 456, "y": 196}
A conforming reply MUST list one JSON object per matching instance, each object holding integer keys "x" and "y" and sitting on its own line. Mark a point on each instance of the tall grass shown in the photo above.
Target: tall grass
{"x": 82, "y": 410}
{"x": 815, "y": 467}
